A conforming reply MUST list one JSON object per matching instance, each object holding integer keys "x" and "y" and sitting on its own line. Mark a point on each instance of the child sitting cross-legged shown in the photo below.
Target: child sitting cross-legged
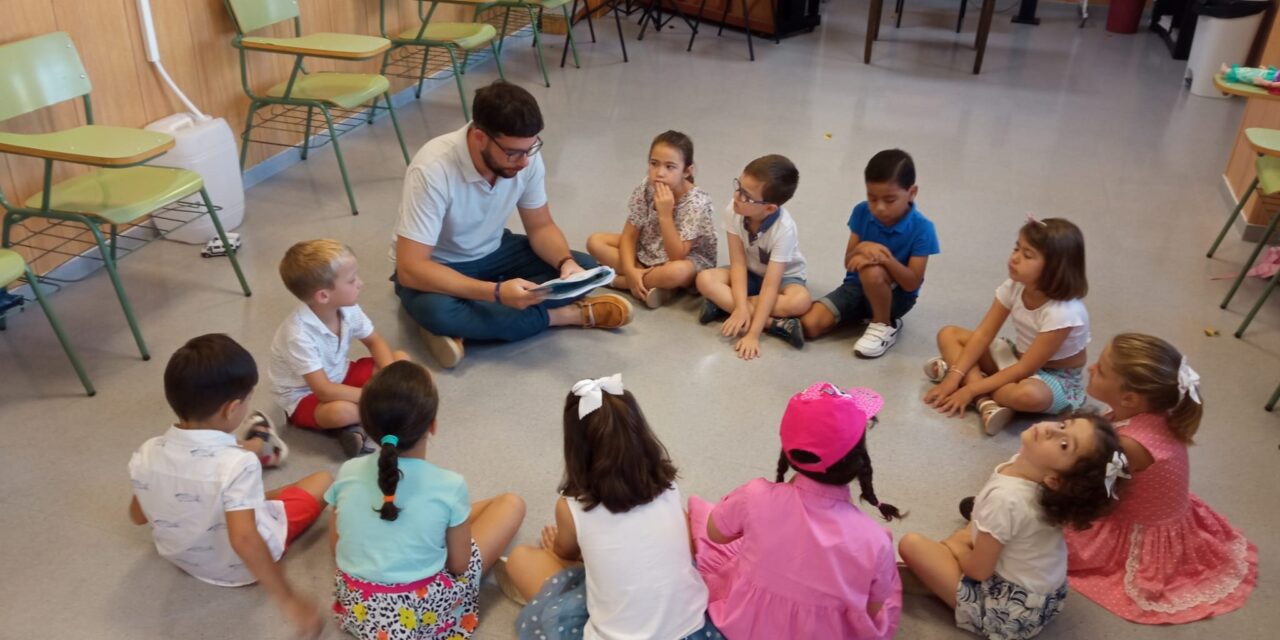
{"x": 313, "y": 381}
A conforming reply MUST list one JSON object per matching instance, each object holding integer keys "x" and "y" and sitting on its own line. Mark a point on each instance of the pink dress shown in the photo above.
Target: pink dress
{"x": 806, "y": 566}
{"x": 1162, "y": 556}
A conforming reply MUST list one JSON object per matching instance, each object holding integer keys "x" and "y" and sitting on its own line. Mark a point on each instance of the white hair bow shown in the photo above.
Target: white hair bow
{"x": 590, "y": 392}
{"x": 1116, "y": 468}
{"x": 1188, "y": 381}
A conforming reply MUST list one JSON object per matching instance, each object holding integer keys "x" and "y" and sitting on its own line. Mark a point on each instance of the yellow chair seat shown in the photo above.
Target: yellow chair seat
{"x": 463, "y": 35}
{"x": 12, "y": 266}
{"x": 120, "y": 196}
{"x": 346, "y": 90}
{"x": 1264, "y": 141}
{"x": 548, "y": 4}
{"x": 91, "y": 144}
{"x": 343, "y": 46}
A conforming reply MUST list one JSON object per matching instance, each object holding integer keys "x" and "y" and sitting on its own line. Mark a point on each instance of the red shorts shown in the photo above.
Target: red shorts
{"x": 301, "y": 510}
{"x": 358, "y": 374}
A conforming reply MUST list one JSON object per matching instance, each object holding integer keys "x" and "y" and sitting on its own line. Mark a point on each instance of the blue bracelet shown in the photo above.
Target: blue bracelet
{"x": 497, "y": 291}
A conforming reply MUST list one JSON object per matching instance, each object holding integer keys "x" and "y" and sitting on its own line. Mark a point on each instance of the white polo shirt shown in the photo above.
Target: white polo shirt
{"x": 448, "y": 205}
{"x": 777, "y": 241}
{"x": 186, "y": 480}
{"x": 303, "y": 344}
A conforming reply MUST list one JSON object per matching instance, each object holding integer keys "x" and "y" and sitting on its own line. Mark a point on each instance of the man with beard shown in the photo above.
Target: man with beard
{"x": 459, "y": 272}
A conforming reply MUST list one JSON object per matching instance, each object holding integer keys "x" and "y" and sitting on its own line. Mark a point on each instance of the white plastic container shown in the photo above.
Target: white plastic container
{"x": 208, "y": 148}
{"x": 1218, "y": 41}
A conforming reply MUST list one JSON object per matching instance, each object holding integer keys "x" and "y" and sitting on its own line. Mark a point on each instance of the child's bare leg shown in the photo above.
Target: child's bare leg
{"x": 337, "y": 414}
{"x": 951, "y": 343}
{"x": 818, "y": 321}
{"x": 530, "y": 567}
{"x": 1029, "y": 395}
{"x": 793, "y": 301}
{"x": 604, "y": 248}
{"x": 400, "y": 356}
{"x": 672, "y": 275}
{"x": 315, "y": 484}
{"x": 494, "y": 522}
{"x": 934, "y": 564}
{"x": 714, "y": 285}
{"x": 877, "y": 286}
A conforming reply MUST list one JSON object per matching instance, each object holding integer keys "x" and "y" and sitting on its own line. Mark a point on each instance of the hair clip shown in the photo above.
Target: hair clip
{"x": 1032, "y": 220}
{"x": 1117, "y": 467}
{"x": 1188, "y": 381}
{"x": 590, "y": 392}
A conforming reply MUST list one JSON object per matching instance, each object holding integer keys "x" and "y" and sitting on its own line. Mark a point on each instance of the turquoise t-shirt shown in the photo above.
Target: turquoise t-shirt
{"x": 412, "y": 546}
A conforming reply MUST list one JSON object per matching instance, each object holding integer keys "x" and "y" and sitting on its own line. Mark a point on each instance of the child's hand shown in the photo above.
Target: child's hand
{"x": 875, "y": 253}
{"x": 940, "y": 391}
{"x": 663, "y": 200}
{"x": 305, "y": 618}
{"x": 856, "y": 263}
{"x": 956, "y": 403}
{"x": 748, "y": 347}
{"x": 636, "y": 280}
{"x": 549, "y": 533}
{"x": 737, "y": 323}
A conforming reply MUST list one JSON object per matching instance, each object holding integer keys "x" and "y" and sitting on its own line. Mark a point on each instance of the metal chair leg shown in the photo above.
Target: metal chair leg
{"x": 62, "y": 336}
{"x": 898, "y": 10}
{"x": 960, "y": 20}
{"x": 697, "y": 23}
{"x": 457, "y": 79}
{"x": 1248, "y": 193}
{"x": 306, "y": 136}
{"x": 617, "y": 21}
{"x": 1271, "y": 284}
{"x": 395, "y": 123}
{"x": 244, "y": 136}
{"x": 497, "y": 59}
{"x": 109, "y": 262}
{"x": 746, "y": 26}
{"x": 537, "y": 45}
{"x": 342, "y": 166}
{"x": 226, "y": 244}
{"x": 1253, "y": 257}
{"x": 568, "y": 36}
{"x": 422, "y": 74}
{"x": 1275, "y": 397}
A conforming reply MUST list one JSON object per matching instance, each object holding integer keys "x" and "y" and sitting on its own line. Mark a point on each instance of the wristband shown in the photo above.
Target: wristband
{"x": 953, "y": 370}
{"x": 497, "y": 291}
{"x": 560, "y": 265}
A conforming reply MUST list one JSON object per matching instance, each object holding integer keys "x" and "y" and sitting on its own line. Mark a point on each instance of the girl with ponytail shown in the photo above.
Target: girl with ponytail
{"x": 796, "y": 558}
{"x": 409, "y": 544}
{"x": 1162, "y": 556}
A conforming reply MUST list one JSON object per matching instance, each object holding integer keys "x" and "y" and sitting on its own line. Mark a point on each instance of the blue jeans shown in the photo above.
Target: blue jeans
{"x": 445, "y": 315}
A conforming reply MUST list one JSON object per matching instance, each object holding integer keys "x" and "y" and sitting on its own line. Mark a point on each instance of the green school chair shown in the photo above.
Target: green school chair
{"x": 534, "y": 9}
{"x": 121, "y": 191}
{"x": 456, "y": 38}
{"x": 14, "y": 268}
{"x": 1266, "y": 143}
{"x": 330, "y": 93}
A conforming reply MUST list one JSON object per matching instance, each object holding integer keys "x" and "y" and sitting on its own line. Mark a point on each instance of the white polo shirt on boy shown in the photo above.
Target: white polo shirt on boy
{"x": 303, "y": 344}
{"x": 776, "y": 241}
{"x": 448, "y": 205}
{"x": 185, "y": 481}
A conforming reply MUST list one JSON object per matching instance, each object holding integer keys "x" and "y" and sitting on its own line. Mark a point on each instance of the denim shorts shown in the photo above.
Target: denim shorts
{"x": 849, "y": 303}
{"x": 754, "y": 282}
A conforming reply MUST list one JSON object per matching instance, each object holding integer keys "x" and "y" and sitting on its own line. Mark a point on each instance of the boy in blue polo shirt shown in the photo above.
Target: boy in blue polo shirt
{"x": 889, "y": 246}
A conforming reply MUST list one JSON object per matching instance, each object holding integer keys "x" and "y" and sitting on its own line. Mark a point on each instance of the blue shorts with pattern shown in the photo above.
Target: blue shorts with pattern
{"x": 1067, "y": 386}
{"x": 1002, "y": 610}
{"x": 559, "y": 611}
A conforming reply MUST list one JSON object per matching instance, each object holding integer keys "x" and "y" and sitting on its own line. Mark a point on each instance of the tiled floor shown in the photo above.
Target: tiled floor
{"x": 1063, "y": 121}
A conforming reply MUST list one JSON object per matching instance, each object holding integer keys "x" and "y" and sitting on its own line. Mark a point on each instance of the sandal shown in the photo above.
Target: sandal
{"x": 354, "y": 442}
{"x": 274, "y": 450}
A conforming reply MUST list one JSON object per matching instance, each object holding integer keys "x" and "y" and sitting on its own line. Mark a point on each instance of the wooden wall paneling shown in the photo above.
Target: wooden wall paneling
{"x": 209, "y": 32}
{"x": 1258, "y": 112}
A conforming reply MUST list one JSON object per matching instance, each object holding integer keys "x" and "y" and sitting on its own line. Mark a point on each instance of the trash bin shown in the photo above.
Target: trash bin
{"x": 1224, "y": 34}
{"x": 1123, "y": 16}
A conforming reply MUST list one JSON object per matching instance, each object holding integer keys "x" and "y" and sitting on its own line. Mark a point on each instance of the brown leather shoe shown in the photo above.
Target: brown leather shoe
{"x": 447, "y": 350}
{"x": 607, "y": 311}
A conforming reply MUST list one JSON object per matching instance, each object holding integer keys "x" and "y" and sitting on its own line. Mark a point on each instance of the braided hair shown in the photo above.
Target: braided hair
{"x": 397, "y": 408}
{"x": 854, "y": 465}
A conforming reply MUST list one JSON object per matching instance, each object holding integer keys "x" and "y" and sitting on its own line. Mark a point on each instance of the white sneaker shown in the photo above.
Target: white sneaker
{"x": 877, "y": 339}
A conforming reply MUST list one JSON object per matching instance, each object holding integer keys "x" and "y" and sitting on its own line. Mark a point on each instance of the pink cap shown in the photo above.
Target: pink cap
{"x": 827, "y": 422}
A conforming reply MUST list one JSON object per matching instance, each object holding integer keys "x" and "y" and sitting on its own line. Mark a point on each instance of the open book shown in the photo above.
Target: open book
{"x": 576, "y": 284}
